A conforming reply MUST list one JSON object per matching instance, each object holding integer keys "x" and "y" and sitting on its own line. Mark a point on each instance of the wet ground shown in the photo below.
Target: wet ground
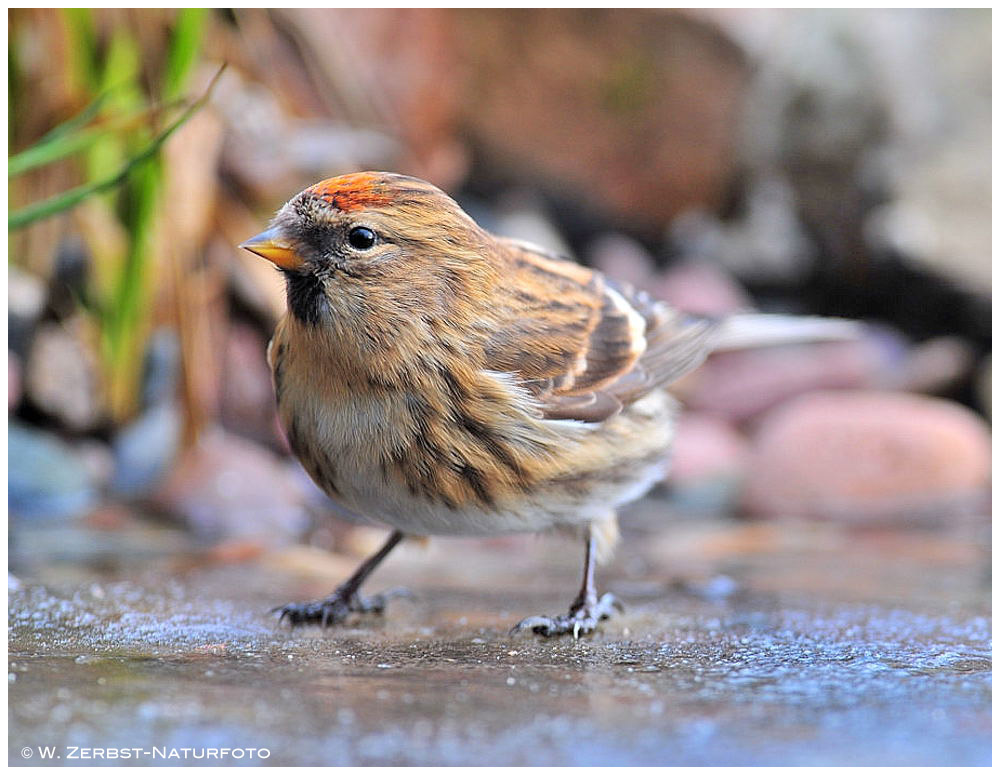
{"x": 743, "y": 644}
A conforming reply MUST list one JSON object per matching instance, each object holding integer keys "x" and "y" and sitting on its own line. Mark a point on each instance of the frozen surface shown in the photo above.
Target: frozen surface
{"x": 740, "y": 646}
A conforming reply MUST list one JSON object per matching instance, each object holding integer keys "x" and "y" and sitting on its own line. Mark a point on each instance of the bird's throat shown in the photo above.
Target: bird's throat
{"x": 307, "y": 299}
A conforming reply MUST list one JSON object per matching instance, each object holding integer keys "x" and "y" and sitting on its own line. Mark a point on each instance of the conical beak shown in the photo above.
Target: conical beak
{"x": 269, "y": 244}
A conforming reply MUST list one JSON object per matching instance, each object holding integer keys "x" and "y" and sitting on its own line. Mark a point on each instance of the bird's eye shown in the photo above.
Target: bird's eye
{"x": 361, "y": 238}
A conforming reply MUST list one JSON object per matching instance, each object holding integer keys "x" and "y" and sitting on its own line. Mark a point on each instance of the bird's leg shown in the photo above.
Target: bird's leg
{"x": 585, "y": 612}
{"x": 345, "y": 599}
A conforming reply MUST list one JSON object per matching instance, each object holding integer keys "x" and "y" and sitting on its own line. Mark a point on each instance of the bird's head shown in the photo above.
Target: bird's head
{"x": 374, "y": 247}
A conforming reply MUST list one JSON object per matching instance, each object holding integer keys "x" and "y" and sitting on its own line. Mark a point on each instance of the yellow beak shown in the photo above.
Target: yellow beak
{"x": 268, "y": 244}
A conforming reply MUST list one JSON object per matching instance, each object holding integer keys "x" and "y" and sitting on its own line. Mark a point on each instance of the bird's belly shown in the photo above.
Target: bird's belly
{"x": 609, "y": 465}
{"x": 557, "y": 503}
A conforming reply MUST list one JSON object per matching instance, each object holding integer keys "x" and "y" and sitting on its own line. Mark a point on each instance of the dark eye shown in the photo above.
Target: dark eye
{"x": 361, "y": 238}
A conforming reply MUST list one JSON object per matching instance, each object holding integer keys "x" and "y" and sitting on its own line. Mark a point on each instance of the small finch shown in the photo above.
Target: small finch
{"x": 440, "y": 380}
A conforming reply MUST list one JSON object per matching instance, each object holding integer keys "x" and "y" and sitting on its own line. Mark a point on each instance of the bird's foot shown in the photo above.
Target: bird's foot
{"x": 335, "y": 608}
{"x": 582, "y": 618}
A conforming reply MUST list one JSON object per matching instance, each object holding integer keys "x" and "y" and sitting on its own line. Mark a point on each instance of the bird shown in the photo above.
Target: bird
{"x": 440, "y": 380}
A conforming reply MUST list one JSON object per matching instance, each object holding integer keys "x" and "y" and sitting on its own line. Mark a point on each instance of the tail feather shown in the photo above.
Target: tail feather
{"x": 748, "y": 330}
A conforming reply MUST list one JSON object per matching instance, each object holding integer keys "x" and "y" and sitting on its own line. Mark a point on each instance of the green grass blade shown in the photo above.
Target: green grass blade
{"x": 27, "y": 215}
{"x": 184, "y": 47}
{"x": 52, "y": 150}
{"x": 68, "y": 142}
{"x": 83, "y": 47}
{"x": 77, "y": 122}
{"x": 126, "y": 325}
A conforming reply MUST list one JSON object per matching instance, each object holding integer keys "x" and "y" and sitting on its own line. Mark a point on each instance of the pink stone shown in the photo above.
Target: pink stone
{"x": 227, "y": 487}
{"x": 741, "y": 384}
{"x": 701, "y": 288}
{"x": 869, "y": 456}
{"x": 706, "y": 447}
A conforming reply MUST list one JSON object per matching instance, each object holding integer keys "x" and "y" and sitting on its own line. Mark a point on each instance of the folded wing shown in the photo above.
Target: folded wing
{"x": 583, "y": 345}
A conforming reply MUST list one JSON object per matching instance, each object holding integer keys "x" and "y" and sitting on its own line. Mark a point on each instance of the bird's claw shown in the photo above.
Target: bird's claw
{"x": 336, "y": 608}
{"x": 582, "y": 619}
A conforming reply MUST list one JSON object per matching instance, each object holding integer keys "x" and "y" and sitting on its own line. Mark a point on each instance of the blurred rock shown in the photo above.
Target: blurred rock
{"x": 258, "y": 133}
{"x": 701, "y": 288}
{"x": 144, "y": 450}
{"x": 112, "y": 516}
{"x": 708, "y": 463}
{"x": 940, "y": 104}
{"x": 765, "y": 241}
{"x": 716, "y": 588}
{"x": 705, "y": 447}
{"x": 519, "y": 215}
{"x": 869, "y": 457}
{"x": 317, "y": 146}
{"x": 274, "y": 153}
{"x": 61, "y": 376}
{"x": 390, "y": 81}
{"x": 25, "y": 302}
{"x": 636, "y": 110}
{"x": 878, "y": 121}
{"x": 97, "y": 459}
{"x": 633, "y": 111}
{"x": 226, "y": 487}
{"x": 246, "y": 401}
{"x": 70, "y": 276}
{"x": 984, "y": 384}
{"x": 622, "y": 258}
{"x": 13, "y": 381}
{"x": 161, "y": 367}
{"x": 813, "y": 116}
{"x": 46, "y": 480}
{"x": 743, "y": 383}
{"x": 936, "y": 365}
{"x": 396, "y": 72}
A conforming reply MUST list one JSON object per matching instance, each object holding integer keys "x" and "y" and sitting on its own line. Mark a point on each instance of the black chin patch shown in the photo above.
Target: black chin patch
{"x": 306, "y": 299}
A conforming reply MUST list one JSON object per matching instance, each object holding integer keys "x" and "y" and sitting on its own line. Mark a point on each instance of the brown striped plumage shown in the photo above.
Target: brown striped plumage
{"x": 441, "y": 380}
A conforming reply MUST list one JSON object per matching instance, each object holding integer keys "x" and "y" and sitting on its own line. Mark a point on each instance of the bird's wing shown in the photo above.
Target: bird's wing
{"x": 583, "y": 345}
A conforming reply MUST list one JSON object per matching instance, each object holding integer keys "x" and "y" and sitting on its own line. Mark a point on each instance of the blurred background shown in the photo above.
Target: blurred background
{"x": 833, "y": 163}
{"x": 812, "y": 584}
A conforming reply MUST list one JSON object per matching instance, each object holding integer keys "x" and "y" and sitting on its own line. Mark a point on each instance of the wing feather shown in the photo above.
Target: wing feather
{"x": 583, "y": 345}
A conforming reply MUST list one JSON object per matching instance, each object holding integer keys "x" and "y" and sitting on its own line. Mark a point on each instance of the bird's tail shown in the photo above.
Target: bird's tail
{"x": 748, "y": 330}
